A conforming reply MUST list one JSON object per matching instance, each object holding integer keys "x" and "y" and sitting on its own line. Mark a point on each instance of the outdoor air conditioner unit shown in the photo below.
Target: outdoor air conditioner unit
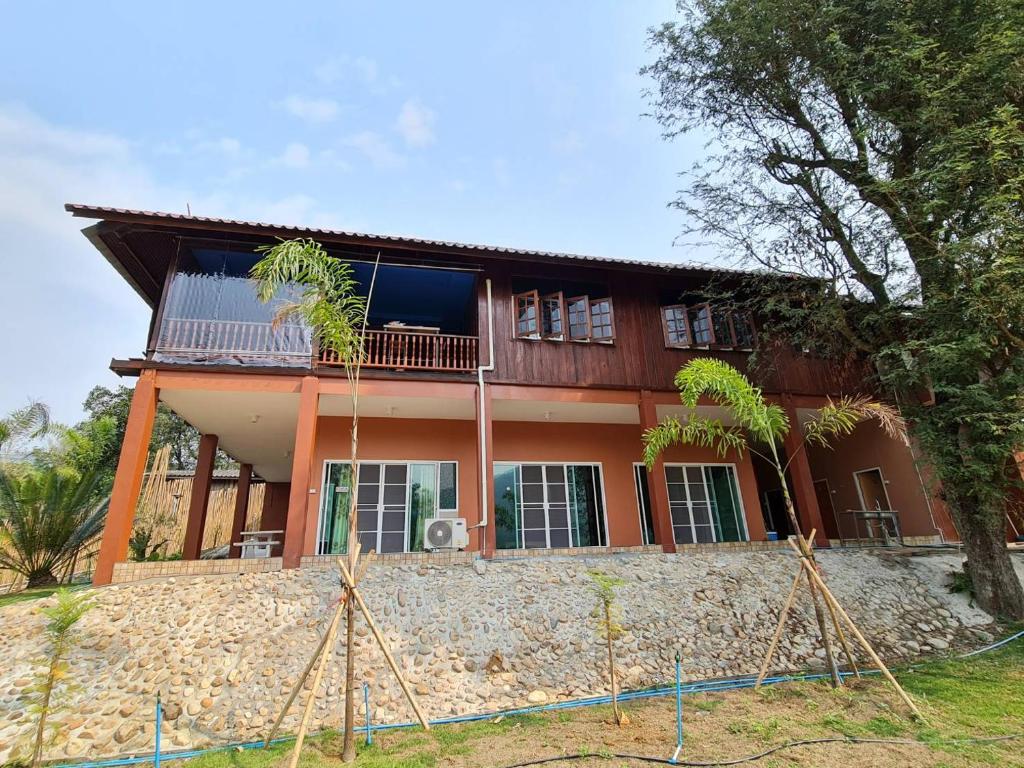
{"x": 445, "y": 533}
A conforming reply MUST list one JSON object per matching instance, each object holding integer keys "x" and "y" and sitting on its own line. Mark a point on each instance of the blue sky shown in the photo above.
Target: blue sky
{"x": 513, "y": 124}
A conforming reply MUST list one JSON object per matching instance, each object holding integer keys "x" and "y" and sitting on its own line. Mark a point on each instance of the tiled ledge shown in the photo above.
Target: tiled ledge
{"x": 126, "y": 572}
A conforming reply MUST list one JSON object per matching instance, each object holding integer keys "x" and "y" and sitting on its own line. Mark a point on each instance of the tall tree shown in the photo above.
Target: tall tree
{"x": 106, "y": 417}
{"x": 878, "y": 147}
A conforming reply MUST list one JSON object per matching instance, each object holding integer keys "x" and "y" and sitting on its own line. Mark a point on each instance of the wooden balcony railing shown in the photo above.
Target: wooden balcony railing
{"x": 203, "y": 340}
{"x": 406, "y": 350}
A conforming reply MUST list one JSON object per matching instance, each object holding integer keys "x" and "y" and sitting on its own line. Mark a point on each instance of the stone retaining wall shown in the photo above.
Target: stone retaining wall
{"x": 224, "y": 651}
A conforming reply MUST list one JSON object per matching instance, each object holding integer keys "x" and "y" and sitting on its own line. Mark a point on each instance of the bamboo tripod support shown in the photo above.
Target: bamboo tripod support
{"x": 354, "y": 591}
{"x": 784, "y": 614}
{"x": 312, "y": 660}
{"x": 830, "y": 598}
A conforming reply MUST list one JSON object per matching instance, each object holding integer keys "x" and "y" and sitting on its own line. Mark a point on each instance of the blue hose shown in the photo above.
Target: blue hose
{"x": 702, "y": 686}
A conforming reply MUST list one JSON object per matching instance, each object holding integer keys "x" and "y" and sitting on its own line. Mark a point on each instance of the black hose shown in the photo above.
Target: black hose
{"x": 767, "y": 752}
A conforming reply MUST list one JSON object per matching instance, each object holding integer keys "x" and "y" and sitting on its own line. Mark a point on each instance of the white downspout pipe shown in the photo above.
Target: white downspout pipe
{"x": 481, "y": 369}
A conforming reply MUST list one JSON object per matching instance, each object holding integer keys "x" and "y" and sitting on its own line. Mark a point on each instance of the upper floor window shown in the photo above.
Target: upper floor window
{"x": 704, "y": 325}
{"x": 555, "y": 317}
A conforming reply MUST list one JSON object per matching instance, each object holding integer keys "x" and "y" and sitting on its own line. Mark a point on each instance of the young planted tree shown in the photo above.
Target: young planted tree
{"x": 51, "y": 684}
{"x": 608, "y": 615}
{"x": 878, "y": 147}
{"x": 46, "y": 515}
{"x": 754, "y": 420}
{"x": 322, "y": 292}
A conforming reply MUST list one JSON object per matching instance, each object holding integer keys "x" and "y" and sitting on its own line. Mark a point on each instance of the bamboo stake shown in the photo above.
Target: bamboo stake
{"x": 829, "y": 597}
{"x": 324, "y": 655}
{"x": 302, "y": 678}
{"x": 778, "y": 629}
{"x": 383, "y": 645}
{"x": 316, "y": 655}
{"x": 783, "y": 615}
{"x": 842, "y": 637}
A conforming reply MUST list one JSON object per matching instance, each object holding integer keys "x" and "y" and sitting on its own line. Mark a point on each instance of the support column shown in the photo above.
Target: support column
{"x": 200, "y": 499}
{"x": 241, "y": 508}
{"x": 660, "y": 512}
{"x": 131, "y": 466}
{"x": 804, "y": 497}
{"x": 302, "y": 465}
{"x": 485, "y": 474}
{"x": 751, "y": 502}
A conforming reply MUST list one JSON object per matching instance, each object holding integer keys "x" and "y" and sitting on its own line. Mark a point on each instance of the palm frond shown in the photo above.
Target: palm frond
{"x": 322, "y": 292}
{"x": 697, "y": 430}
{"x": 727, "y": 387}
{"x": 840, "y": 417}
{"x": 29, "y": 422}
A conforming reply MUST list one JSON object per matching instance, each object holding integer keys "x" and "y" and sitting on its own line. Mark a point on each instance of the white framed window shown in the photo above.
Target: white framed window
{"x": 549, "y": 505}
{"x": 393, "y": 500}
{"x": 705, "y": 503}
{"x": 641, "y": 484}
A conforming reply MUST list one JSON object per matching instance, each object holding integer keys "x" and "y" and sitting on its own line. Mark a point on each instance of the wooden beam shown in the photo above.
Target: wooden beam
{"x": 200, "y": 499}
{"x": 241, "y": 509}
{"x": 131, "y": 466}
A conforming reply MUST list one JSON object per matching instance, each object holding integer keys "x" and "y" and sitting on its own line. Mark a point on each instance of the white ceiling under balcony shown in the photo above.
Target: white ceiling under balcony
{"x": 256, "y": 428}
{"x": 399, "y": 407}
{"x": 562, "y": 411}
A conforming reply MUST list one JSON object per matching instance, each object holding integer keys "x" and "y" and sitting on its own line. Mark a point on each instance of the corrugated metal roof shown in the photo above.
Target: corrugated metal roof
{"x": 101, "y": 212}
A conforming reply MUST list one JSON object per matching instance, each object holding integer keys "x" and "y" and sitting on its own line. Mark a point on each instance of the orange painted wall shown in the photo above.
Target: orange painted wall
{"x": 869, "y": 447}
{"x": 616, "y": 447}
{"x": 399, "y": 440}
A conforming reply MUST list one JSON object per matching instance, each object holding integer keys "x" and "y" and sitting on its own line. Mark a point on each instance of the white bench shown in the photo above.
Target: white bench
{"x": 257, "y": 544}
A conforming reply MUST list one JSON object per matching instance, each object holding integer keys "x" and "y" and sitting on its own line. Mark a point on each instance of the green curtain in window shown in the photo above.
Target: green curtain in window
{"x": 422, "y": 501}
{"x": 506, "y": 505}
{"x": 721, "y": 484}
{"x": 334, "y": 532}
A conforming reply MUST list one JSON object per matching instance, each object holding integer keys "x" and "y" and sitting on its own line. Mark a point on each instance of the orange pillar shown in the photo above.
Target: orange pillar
{"x": 302, "y": 465}
{"x": 804, "y": 497}
{"x": 200, "y": 500}
{"x": 750, "y": 498}
{"x": 485, "y": 473}
{"x": 131, "y": 466}
{"x": 241, "y": 508}
{"x": 660, "y": 512}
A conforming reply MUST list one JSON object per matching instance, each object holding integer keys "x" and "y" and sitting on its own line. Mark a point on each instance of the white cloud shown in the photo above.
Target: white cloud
{"x": 60, "y": 294}
{"x": 224, "y": 145}
{"x": 295, "y": 155}
{"x": 375, "y": 149}
{"x": 416, "y": 124}
{"x": 311, "y": 110}
{"x": 339, "y": 68}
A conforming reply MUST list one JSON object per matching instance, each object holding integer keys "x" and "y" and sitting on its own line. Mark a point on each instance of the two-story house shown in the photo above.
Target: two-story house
{"x": 505, "y": 387}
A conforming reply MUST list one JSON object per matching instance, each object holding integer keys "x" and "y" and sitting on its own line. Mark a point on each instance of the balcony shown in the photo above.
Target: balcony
{"x": 236, "y": 342}
{"x": 414, "y": 351}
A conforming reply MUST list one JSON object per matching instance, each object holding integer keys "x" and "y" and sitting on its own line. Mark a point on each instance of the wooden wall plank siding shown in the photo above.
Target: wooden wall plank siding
{"x": 639, "y": 357}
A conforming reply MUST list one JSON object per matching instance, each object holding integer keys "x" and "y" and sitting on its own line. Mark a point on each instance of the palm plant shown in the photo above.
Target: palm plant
{"x": 766, "y": 423}
{"x": 329, "y": 303}
{"x": 47, "y": 514}
{"x": 755, "y": 418}
{"x": 29, "y": 422}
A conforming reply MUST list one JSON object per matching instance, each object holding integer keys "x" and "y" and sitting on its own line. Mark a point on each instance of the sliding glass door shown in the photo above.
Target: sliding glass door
{"x": 704, "y": 502}
{"x": 548, "y": 506}
{"x": 393, "y": 500}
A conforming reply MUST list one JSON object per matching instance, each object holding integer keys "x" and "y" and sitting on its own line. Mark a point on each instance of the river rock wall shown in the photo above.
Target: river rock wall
{"x": 224, "y": 651}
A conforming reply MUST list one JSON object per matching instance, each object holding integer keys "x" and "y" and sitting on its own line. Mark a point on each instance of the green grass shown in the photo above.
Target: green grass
{"x": 960, "y": 699}
{"x": 33, "y": 594}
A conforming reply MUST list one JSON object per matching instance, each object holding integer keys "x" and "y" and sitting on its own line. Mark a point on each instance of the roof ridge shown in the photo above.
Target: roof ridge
{"x": 98, "y": 212}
